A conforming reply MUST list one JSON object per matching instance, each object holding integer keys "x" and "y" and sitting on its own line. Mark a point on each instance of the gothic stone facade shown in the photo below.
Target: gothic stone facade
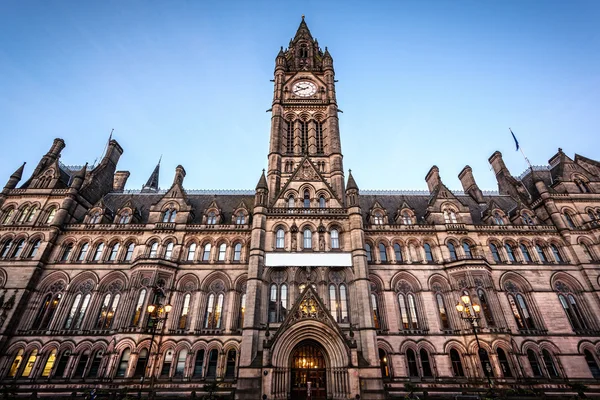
{"x": 304, "y": 283}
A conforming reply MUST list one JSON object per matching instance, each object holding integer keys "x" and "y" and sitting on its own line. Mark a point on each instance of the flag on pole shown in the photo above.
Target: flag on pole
{"x": 514, "y": 137}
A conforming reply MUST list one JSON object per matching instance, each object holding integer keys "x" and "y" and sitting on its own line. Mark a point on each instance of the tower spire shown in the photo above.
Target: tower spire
{"x": 152, "y": 183}
{"x": 303, "y": 32}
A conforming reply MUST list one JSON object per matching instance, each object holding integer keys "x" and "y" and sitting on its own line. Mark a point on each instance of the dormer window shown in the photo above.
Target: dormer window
{"x": 125, "y": 217}
{"x": 527, "y": 220}
{"x": 211, "y": 218}
{"x": 498, "y": 220}
{"x": 449, "y": 216}
{"x": 407, "y": 218}
{"x": 240, "y": 218}
{"x": 377, "y": 218}
{"x": 582, "y": 186}
{"x": 169, "y": 215}
{"x": 95, "y": 217}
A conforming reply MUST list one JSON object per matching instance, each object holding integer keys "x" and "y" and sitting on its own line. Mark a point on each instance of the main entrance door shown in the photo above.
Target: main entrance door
{"x": 308, "y": 372}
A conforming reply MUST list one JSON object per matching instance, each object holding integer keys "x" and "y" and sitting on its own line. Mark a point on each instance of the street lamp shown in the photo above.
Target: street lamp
{"x": 158, "y": 313}
{"x": 469, "y": 311}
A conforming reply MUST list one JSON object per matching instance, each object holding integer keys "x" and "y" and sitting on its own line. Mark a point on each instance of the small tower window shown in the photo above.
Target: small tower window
{"x": 306, "y": 199}
{"x": 319, "y": 136}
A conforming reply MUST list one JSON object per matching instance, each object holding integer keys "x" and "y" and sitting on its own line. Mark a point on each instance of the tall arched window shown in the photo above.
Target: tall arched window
{"x": 280, "y": 239}
{"x": 291, "y": 202}
{"x": 452, "y": 251}
{"x": 222, "y": 252}
{"x": 307, "y": 239}
{"x": 519, "y": 307}
{"x": 383, "y": 364}
{"x": 16, "y": 364}
{"x": 375, "y": 310}
{"x": 411, "y": 360}
{"x": 185, "y": 310}
{"x": 153, "y": 250}
{"x": 49, "y": 364}
{"x": 504, "y": 364}
{"x": 7, "y": 216}
{"x": 306, "y": 201}
{"x": 240, "y": 218}
{"x": 450, "y": 216}
{"x": 47, "y": 310}
{"x": 445, "y": 323}
{"x": 408, "y": 306}
{"x": 242, "y": 311}
{"x": 213, "y": 358}
{"x": 8, "y": 244}
{"x": 169, "y": 251}
{"x": 457, "y": 367}
{"x": 139, "y": 307}
{"x": 81, "y": 364}
{"x": 510, "y": 252}
{"x": 319, "y": 136}
{"x": 549, "y": 364}
{"x": 169, "y": 215}
{"x": 180, "y": 366}
{"x": 467, "y": 249}
{"x": 95, "y": 217}
{"x": 34, "y": 248}
{"x": 485, "y": 308}
{"x": 338, "y": 302}
{"x": 95, "y": 367}
{"x": 129, "y": 252}
{"x": 525, "y": 252}
{"x": 30, "y": 363}
{"x": 63, "y": 360}
{"x": 592, "y": 364}
{"x": 237, "y": 252}
{"x": 382, "y": 253}
{"x": 495, "y": 254}
{"x": 557, "y": 257}
{"x": 568, "y": 302}
{"x": 18, "y": 248}
{"x": 66, "y": 255}
{"x": 369, "y": 252}
{"x": 377, "y": 218}
{"x": 425, "y": 363}
{"x": 142, "y": 362}
{"x": 165, "y": 371}
{"x": 199, "y": 364}
{"x": 31, "y": 214}
{"x": 278, "y": 302}
{"x": 78, "y": 309}
{"x": 484, "y": 359}
{"x": 125, "y": 217}
{"x": 214, "y": 311}
{"x": 406, "y": 218}
{"x": 107, "y": 311}
{"x": 230, "y": 364}
{"x": 114, "y": 251}
{"x": 289, "y": 131}
{"x": 321, "y": 202}
{"x": 83, "y": 252}
{"x": 541, "y": 253}
{"x": 587, "y": 251}
{"x": 206, "y": 252}
{"x": 569, "y": 220}
{"x": 335, "y": 239}
{"x": 191, "y": 254}
{"x": 398, "y": 252}
{"x": 123, "y": 363}
{"x": 98, "y": 252}
{"x": 211, "y": 219}
{"x": 428, "y": 253}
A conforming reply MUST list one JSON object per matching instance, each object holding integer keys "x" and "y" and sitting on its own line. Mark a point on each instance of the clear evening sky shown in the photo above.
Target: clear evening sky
{"x": 420, "y": 83}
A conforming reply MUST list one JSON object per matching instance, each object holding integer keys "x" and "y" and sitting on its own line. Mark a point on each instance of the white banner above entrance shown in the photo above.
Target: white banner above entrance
{"x": 308, "y": 260}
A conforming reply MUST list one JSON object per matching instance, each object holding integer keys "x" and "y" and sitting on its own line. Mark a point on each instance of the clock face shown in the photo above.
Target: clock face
{"x": 304, "y": 88}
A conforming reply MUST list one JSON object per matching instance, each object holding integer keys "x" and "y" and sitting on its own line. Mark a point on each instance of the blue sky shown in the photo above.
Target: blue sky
{"x": 420, "y": 83}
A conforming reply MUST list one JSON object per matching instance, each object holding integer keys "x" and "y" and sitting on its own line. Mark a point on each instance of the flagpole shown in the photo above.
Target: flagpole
{"x": 519, "y": 147}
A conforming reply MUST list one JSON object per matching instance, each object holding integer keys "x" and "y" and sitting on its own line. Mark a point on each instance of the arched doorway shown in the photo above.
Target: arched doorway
{"x": 309, "y": 374}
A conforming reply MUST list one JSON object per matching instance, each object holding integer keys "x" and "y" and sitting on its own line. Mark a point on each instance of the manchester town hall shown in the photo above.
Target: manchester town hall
{"x": 306, "y": 287}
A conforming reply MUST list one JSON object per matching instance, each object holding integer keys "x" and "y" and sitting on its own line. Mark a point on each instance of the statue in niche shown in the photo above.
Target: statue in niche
{"x": 294, "y": 241}
{"x": 321, "y": 242}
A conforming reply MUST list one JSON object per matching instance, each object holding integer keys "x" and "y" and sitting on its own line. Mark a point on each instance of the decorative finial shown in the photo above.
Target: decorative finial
{"x": 302, "y": 17}
{"x": 263, "y": 170}
{"x": 349, "y": 171}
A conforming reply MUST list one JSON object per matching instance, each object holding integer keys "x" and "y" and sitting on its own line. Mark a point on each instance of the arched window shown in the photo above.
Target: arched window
{"x": 83, "y": 252}
{"x": 319, "y": 136}
{"x": 8, "y": 244}
{"x": 213, "y": 358}
{"x": 34, "y": 248}
{"x": 95, "y": 217}
{"x": 306, "y": 201}
{"x": 485, "y": 308}
{"x": 495, "y": 254}
{"x": 398, "y": 252}
{"x": 31, "y": 214}
{"x": 425, "y": 364}
{"x": 570, "y": 305}
{"x": 81, "y": 364}
{"x": 125, "y": 217}
{"x": 467, "y": 249}
{"x": 278, "y": 302}
{"x": 142, "y": 362}
{"x": 519, "y": 307}
{"x": 411, "y": 359}
{"x": 169, "y": 215}
{"x": 139, "y": 307}
{"x": 377, "y": 218}
{"x": 123, "y": 363}
{"x": 24, "y": 212}
{"x": 7, "y": 216}
{"x": 383, "y": 364}
{"x": 338, "y": 302}
{"x": 557, "y": 257}
{"x": 382, "y": 253}
{"x": 169, "y": 251}
{"x": 321, "y": 202}
{"x": 375, "y": 309}
{"x": 51, "y": 215}
{"x": 525, "y": 252}
{"x": 191, "y": 254}
{"x": 527, "y": 220}
{"x": 242, "y": 311}
{"x": 541, "y": 253}
{"x": 569, "y": 220}
{"x": 114, "y": 251}
{"x": 165, "y": 371}
{"x": 30, "y": 363}
{"x": 230, "y": 364}
{"x": 206, "y": 252}
{"x": 240, "y": 219}
{"x": 484, "y": 358}
{"x": 62, "y": 364}
{"x": 457, "y": 367}
{"x": 237, "y": 252}
{"x": 280, "y": 239}
{"x": 214, "y": 311}
{"x": 406, "y": 218}
{"x": 291, "y": 202}
{"x": 592, "y": 364}
{"x": 95, "y": 367}
{"x": 335, "y": 239}
{"x": 185, "y": 310}
{"x": 18, "y": 248}
{"x": 49, "y": 364}
{"x": 452, "y": 251}
{"x": 549, "y": 364}
{"x": 222, "y": 252}
{"x": 180, "y": 366}
{"x": 107, "y": 311}
{"x": 408, "y": 307}
{"x": 428, "y": 253}
{"x": 307, "y": 239}
{"x": 47, "y": 311}
{"x": 199, "y": 363}
{"x": 369, "y": 252}
{"x": 587, "y": 251}
{"x": 445, "y": 323}
{"x": 66, "y": 252}
{"x": 450, "y": 216}
{"x": 129, "y": 252}
{"x": 16, "y": 364}
{"x": 510, "y": 252}
{"x": 504, "y": 364}
{"x": 289, "y": 131}
{"x": 211, "y": 219}
{"x": 78, "y": 309}
{"x": 98, "y": 252}
{"x": 498, "y": 220}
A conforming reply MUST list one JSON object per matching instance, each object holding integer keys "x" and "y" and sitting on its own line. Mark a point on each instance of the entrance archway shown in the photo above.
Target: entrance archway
{"x": 308, "y": 372}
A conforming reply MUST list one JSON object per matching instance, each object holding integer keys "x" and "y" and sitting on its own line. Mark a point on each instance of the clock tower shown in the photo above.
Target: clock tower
{"x": 304, "y": 120}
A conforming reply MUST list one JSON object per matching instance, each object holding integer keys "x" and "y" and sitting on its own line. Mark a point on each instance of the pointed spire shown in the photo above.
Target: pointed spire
{"x": 281, "y": 53}
{"x": 152, "y": 184}
{"x": 303, "y": 32}
{"x": 262, "y": 182}
{"x": 15, "y": 177}
{"x": 351, "y": 182}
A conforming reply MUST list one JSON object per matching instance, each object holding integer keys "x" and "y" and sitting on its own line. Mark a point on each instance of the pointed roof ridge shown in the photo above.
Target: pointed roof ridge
{"x": 18, "y": 174}
{"x": 152, "y": 183}
{"x": 351, "y": 182}
{"x": 316, "y": 170}
{"x": 302, "y": 31}
{"x": 262, "y": 182}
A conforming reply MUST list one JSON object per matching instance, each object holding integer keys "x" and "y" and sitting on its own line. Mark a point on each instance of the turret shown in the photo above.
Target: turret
{"x": 469, "y": 185}
{"x": 262, "y": 191}
{"x": 351, "y": 191}
{"x": 152, "y": 183}
{"x": 15, "y": 178}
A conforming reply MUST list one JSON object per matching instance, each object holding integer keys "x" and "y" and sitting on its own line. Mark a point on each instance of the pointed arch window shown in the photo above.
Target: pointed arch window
{"x": 541, "y": 253}
{"x": 278, "y": 302}
{"x": 206, "y": 252}
{"x": 35, "y": 248}
{"x": 191, "y": 254}
{"x": 142, "y": 362}
{"x": 169, "y": 215}
{"x": 180, "y": 366}
{"x": 289, "y": 136}
{"x": 498, "y": 220}
{"x": 406, "y": 218}
{"x": 107, "y": 311}
{"x": 592, "y": 364}
{"x": 213, "y": 358}
{"x": 377, "y": 218}
{"x": 425, "y": 363}
{"x": 569, "y": 220}
{"x": 570, "y": 305}
{"x": 18, "y": 248}
{"x": 335, "y": 239}
{"x": 484, "y": 358}
{"x": 306, "y": 201}
{"x": 321, "y": 202}
{"x": 129, "y": 252}
{"x": 375, "y": 311}
{"x": 47, "y": 311}
{"x": 467, "y": 249}
{"x": 31, "y": 214}
{"x": 413, "y": 367}
{"x": 237, "y": 252}
{"x": 7, "y": 216}
{"x": 95, "y": 217}
{"x": 495, "y": 253}
{"x": 214, "y": 310}
{"x": 549, "y": 364}
{"x": 303, "y": 125}
{"x": 504, "y": 364}
{"x": 16, "y": 364}
{"x": 485, "y": 308}
{"x": 428, "y": 253}
{"x": 408, "y": 307}
{"x": 78, "y": 310}
{"x": 7, "y": 246}
{"x": 222, "y": 252}
{"x": 398, "y": 252}
{"x": 66, "y": 255}
{"x": 525, "y": 252}
{"x": 557, "y": 257}
{"x": 445, "y": 323}
{"x": 307, "y": 239}
{"x": 185, "y": 310}
{"x": 165, "y": 371}
{"x": 382, "y": 253}
{"x": 587, "y": 251}
{"x": 81, "y": 364}
{"x": 242, "y": 311}
{"x": 95, "y": 367}
{"x": 139, "y": 306}
{"x": 457, "y": 367}
{"x": 23, "y": 215}
{"x": 338, "y": 302}
{"x": 280, "y": 239}
{"x": 199, "y": 363}
{"x": 534, "y": 363}
{"x": 62, "y": 364}
{"x": 527, "y": 220}
{"x": 49, "y": 364}
{"x": 83, "y": 252}
{"x": 452, "y": 251}
{"x": 230, "y": 364}
{"x": 98, "y": 252}
{"x": 510, "y": 252}
{"x": 51, "y": 215}
{"x": 383, "y": 364}
{"x": 519, "y": 308}
{"x": 114, "y": 251}
{"x": 291, "y": 202}
{"x": 30, "y": 363}
{"x": 369, "y": 252}
{"x": 123, "y": 363}
{"x": 169, "y": 251}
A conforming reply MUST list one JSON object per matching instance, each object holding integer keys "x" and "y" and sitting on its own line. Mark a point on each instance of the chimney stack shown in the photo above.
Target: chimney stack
{"x": 469, "y": 185}
{"x": 433, "y": 178}
{"x": 119, "y": 180}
